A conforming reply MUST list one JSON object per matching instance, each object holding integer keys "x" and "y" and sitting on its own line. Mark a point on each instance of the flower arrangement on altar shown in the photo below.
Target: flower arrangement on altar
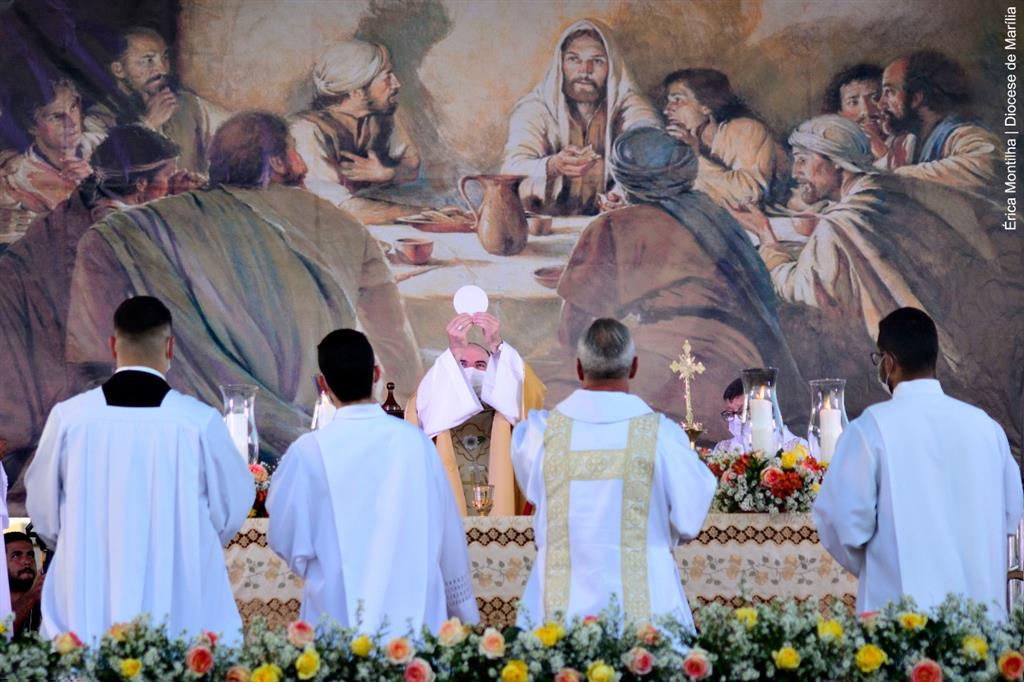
{"x": 261, "y": 477}
{"x": 785, "y": 640}
{"x": 752, "y": 482}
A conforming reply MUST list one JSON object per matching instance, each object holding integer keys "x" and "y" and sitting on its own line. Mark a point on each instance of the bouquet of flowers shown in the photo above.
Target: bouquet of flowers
{"x": 261, "y": 475}
{"x": 754, "y": 482}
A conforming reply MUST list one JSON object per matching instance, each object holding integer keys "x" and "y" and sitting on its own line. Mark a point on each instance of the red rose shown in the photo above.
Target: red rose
{"x": 771, "y": 477}
{"x": 199, "y": 660}
{"x": 926, "y": 671}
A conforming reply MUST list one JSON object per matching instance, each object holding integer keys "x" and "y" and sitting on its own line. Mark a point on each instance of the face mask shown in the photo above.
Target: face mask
{"x": 735, "y": 427}
{"x": 475, "y": 379}
{"x": 884, "y": 381}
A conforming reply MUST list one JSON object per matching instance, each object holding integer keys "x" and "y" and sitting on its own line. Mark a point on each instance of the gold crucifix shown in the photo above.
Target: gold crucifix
{"x": 688, "y": 367}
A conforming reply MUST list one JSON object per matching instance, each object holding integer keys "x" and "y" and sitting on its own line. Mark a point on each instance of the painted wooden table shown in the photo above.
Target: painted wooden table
{"x": 737, "y": 558}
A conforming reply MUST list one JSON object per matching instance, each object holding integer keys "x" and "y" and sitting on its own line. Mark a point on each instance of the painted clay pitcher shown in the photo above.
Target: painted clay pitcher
{"x": 500, "y": 219}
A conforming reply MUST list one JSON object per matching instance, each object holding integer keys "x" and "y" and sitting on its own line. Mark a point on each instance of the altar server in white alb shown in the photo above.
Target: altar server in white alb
{"x": 361, "y": 510}
{"x": 922, "y": 491}
{"x": 616, "y": 487}
{"x": 5, "y": 591}
{"x": 137, "y": 488}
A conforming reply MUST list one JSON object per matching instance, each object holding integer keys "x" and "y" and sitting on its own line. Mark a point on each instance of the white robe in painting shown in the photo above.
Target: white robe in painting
{"x": 362, "y": 512}
{"x": 138, "y": 503}
{"x": 919, "y": 500}
{"x": 5, "y": 520}
{"x": 616, "y": 487}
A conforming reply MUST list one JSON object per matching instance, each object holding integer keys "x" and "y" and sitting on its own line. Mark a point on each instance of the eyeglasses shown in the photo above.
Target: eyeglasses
{"x": 876, "y": 357}
{"x": 729, "y": 414}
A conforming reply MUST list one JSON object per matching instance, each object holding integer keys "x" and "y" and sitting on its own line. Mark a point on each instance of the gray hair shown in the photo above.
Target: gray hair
{"x": 607, "y": 350}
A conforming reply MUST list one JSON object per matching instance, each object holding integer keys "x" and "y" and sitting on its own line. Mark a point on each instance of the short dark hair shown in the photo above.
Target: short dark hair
{"x": 941, "y": 81}
{"x": 12, "y": 536}
{"x": 138, "y": 317}
{"x": 346, "y": 360}
{"x": 909, "y": 334}
{"x": 35, "y": 93}
{"x": 128, "y": 154}
{"x": 242, "y": 147}
{"x": 579, "y": 33}
{"x": 832, "y": 102}
{"x": 733, "y": 390}
{"x": 713, "y": 90}
{"x": 134, "y": 32}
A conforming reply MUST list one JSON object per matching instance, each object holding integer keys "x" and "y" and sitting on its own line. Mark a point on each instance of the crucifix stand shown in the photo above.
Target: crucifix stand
{"x": 688, "y": 367}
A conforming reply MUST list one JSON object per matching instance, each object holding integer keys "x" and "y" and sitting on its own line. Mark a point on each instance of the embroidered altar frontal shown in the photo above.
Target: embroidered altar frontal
{"x": 737, "y": 558}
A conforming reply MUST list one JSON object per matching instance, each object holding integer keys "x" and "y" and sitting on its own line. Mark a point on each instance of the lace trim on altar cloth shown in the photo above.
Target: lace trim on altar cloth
{"x": 634, "y": 465}
{"x": 458, "y": 591}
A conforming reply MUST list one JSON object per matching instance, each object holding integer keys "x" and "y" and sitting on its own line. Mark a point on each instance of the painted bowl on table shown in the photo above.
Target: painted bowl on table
{"x": 538, "y": 225}
{"x": 415, "y": 250}
{"x": 549, "y": 276}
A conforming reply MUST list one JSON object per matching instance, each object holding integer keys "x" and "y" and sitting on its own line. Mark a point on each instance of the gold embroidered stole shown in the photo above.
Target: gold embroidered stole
{"x": 634, "y": 465}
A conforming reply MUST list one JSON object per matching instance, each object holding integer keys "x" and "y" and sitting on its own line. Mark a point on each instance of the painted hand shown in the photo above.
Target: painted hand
{"x": 366, "y": 168}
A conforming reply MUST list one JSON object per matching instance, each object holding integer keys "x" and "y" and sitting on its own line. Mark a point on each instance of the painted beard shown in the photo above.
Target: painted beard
{"x": 583, "y": 90}
{"x": 154, "y": 85}
{"x": 911, "y": 122}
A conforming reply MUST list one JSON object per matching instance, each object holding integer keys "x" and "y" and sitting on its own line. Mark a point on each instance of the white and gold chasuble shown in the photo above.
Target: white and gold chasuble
{"x": 616, "y": 487}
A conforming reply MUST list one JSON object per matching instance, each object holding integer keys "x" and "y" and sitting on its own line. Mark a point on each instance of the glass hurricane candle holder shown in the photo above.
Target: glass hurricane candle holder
{"x": 240, "y": 418}
{"x": 828, "y": 417}
{"x": 762, "y": 418}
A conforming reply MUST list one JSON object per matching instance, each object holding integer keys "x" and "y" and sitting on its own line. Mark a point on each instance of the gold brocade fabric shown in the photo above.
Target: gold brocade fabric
{"x": 471, "y": 441}
{"x": 634, "y": 465}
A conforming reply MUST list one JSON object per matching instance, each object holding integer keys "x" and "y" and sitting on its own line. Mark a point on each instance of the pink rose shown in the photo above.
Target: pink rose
{"x": 649, "y": 635}
{"x": 399, "y": 651}
{"x": 300, "y": 634}
{"x": 638, "y": 661}
{"x": 210, "y": 638}
{"x": 590, "y": 620}
{"x": 568, "y": 674}
{"x": 771, "y": 476}
{"x": 199, "y": 660}
{"x": 492, "y": 644}
{"x": 259, "y": 472}
{"x": 696, "y": 665}
{"x": 418, "y": 670}
{"x": 926, "y": 671}
{"x": 237, "y": 673}
{"x": 66, "y": 643}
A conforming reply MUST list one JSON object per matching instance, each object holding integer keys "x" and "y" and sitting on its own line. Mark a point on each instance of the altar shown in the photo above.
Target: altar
{"x": 736, "y": 559}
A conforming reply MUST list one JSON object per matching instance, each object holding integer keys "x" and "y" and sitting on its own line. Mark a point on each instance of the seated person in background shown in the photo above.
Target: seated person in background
{"x": 361, "y": 510}
{"x": 739, "y": 162}
{"x": 733, "y": 415}
{"x": 36, "y": 180}
{"x": 854, "y": 94}
{"x": 165, "y": 462}
{"x": 468, "y": 403}
{"x": 922, "y": 491}
{"x": 350, "y": 139}
{"x": 560, "y": 134}
{"x": 26, "y": 583}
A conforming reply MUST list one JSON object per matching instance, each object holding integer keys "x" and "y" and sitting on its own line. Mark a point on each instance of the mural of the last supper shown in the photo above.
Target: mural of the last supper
{"x": 765, "y": 179}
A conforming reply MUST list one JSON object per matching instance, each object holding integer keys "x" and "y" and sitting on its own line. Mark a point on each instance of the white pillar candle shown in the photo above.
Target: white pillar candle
{"x": 831, "y": 428}
{"x": 238, "y": 427}
{"x": 761, "y": 426}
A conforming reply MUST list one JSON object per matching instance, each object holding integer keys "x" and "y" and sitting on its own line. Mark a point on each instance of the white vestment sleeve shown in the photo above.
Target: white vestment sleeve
{"x": 1014, "y": 494}
{"x": 5, "y": 520}
{"x": 43, "y": 481}
{"x": 527, "y": 453}
{"x": 444, "y": 398}
{"x": 229, "y": 486}
{"x": 292, "y": 526}
{"x": 846, "y": 510}
{"x": 458, "y": 585}
{"x": 689, "y": 484}
{"x": 503, "y": 383}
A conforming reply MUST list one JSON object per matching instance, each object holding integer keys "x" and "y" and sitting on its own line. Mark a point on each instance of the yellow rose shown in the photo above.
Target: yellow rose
{"x": 788, "y": 460}
{"x": 361, "y": 646}
{"x": 66, "y": 643}
{"x": 747, "y": 616}
{"x": 130, "y": 667}
{"x": 830, "y": 630}
{"x": 870, "y": 658}
{"x": 912, "y": 622}
{"x": 786, "y": 658}
{"x": 307, "y": 665}
{"x": 268, "y": 672}
{"x": 550, "y": 634}
{"x": 815, "y": 487}
{"x": 800, "y": 451}
{"x": 3, "y": 627}
{"x": 515, "y": 671}
{"x": 975, "y": 647}
{"x": 599, "y": 671}
{"x": 117, "y": 631}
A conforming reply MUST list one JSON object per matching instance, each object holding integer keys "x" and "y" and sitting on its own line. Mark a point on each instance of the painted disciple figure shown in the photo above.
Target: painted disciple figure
{"x": 738, "y": 159}
{"x": 560, "y": 133}
{"x": 676, "y": 265}
{"x": 150, "y": 95}
{"x": 877, "y": 248}
{"x": 256, "y": 270}
{"x": 924, "y": 98}
{"x": 350, "y": 138}
{"x": 36, "y": 180}
{"x": 854, "y": 94}
{"x": 131, "y": 166}
{"x": 468, "y": 403}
